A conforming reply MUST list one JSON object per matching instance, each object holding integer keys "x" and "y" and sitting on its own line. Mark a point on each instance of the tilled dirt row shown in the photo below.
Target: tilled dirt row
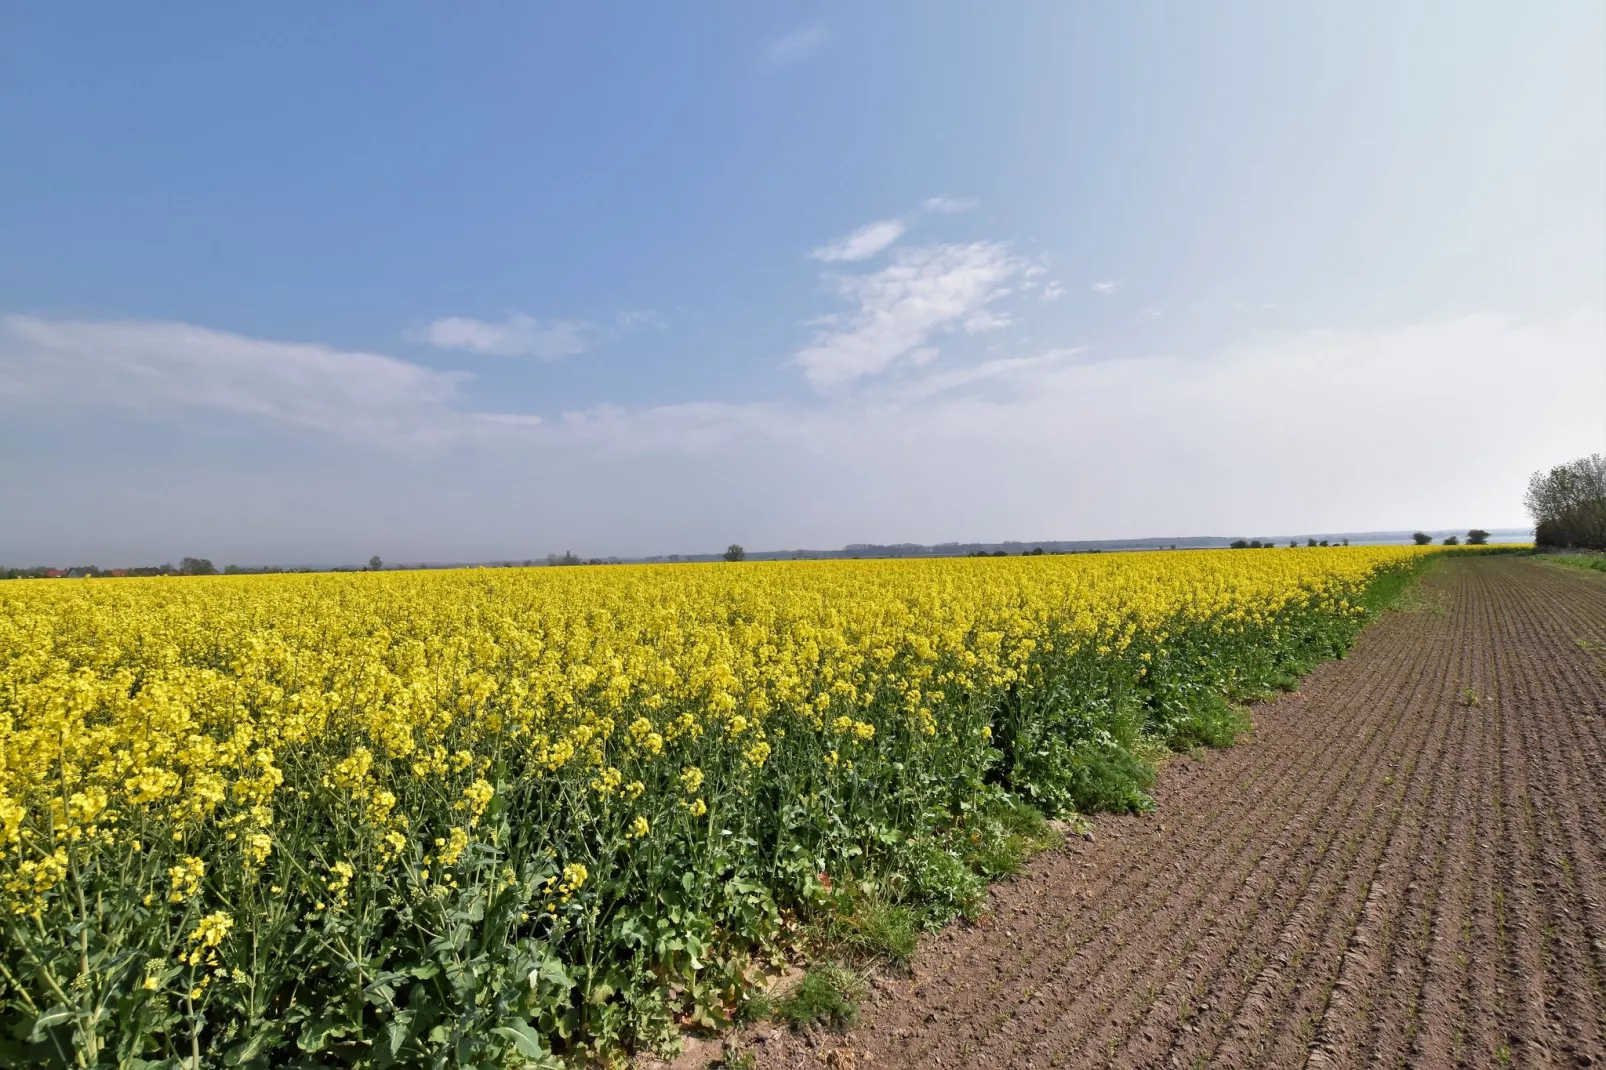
{"x": 1405, "y": 866}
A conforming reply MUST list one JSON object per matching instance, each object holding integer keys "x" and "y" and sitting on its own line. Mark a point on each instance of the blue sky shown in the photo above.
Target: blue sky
{"x": 305, "y": 284}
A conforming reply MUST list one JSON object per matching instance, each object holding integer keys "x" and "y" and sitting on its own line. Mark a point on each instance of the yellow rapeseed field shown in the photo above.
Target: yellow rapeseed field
{"x": 508, "y": 817}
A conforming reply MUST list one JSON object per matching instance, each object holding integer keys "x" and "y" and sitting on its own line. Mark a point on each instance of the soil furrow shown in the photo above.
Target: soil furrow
{"x": 1424, "y": 684}
{"x": 1319, "y": 801}
{"x": 1295, "y": 1004}
{"x": 1123, "y": 1002}
{"x": 1395, "y": 1012}
{"x": 1342, "y": 1038}
{"x": 1291, "y": 1035}
{"x": 1565, "y": 876}
{"x": 1200, "y": 844}
{"x": 1269, "y": 925}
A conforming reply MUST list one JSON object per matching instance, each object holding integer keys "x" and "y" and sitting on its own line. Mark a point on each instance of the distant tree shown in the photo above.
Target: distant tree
{"x": 1310, "y": 542}
{"x": 734, "y": 552}
{"x": 1421, "y": 538}
{"x": 232, "y": 570}
{"x": 196, "y": 566}
{"x": 1568, "y": 504}
{"x": 375, "y": 564}
{"x": 1477, "y": 537}
{"x": 1239, "y": 544}
{"x": 1451, "y": 540}
{"x": 1323, "y": 543}
{"x": 1292, "y": 543}
{"x": 1032, "y": 553}
{"x": 568, "y": 558}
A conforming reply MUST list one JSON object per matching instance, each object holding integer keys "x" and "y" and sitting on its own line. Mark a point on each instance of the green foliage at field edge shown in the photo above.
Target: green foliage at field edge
{"x": 1594, "y": 564}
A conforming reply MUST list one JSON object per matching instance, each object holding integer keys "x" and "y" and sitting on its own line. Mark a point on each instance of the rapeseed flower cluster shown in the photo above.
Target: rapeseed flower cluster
{"x": 249, "y": 791}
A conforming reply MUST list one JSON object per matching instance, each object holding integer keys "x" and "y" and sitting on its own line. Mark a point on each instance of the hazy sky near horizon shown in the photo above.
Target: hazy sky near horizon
{"x": 304, "y": 284}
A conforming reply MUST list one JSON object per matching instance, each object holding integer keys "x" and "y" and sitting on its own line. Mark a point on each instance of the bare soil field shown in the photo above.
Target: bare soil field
{"x": 1405, "y": 865}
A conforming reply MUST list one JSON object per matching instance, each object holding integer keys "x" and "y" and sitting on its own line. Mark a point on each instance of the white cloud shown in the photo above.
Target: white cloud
{"x": 984, "y": 320}
{"x": 1105, "y": 287}
{"x": 792, "y": 48}
{"x": 924, "y": 291}
{"x": 1053, "y": 291}
{"x": 1335, "y": 419}
{"x": 949, "y": 205}
{"x": 517, "y": 336}
{"x": 160, "y": 367}
{"x": 863, "y": 243}
{"x": 689, "y": 428}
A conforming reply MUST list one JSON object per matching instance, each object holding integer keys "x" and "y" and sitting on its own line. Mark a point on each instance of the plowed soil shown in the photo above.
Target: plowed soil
{"x": 1405, "y": 865}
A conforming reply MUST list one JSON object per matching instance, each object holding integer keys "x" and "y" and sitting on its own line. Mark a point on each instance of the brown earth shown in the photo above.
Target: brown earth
{"x": 1405, "y": 865}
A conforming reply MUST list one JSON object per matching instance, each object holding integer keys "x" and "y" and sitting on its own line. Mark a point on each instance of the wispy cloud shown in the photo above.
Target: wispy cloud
{"x": 1052, "y": 291}
{"x": 872, "y": 238}
{"x": 863, "y": 243}
{"x": 792, "y": 48}
{"x": 641, "y": 317}
{"x": 948, "y": 205}
{"x": 508, "y": 419}
{"x": 155, "y": 367}
{"x": 923, "y": 292}
{"x": 1000, "y": 369}
{"x": 1105, "y": 287}
{"x": 517, "y": 336}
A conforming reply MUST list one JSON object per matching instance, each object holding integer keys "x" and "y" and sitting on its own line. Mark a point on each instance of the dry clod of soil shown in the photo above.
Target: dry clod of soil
{"x": 1387, "y": 874}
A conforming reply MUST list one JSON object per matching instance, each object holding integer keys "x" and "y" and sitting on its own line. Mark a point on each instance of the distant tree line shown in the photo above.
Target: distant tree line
{"x": 1568, "y": 504}
{"x": 1256, "y": 544}
{"x": 1475, "y": 537}
{"x": 188, "y": 566}
{"x": 568, "y": 557}
{"x": 39, "y": 572}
